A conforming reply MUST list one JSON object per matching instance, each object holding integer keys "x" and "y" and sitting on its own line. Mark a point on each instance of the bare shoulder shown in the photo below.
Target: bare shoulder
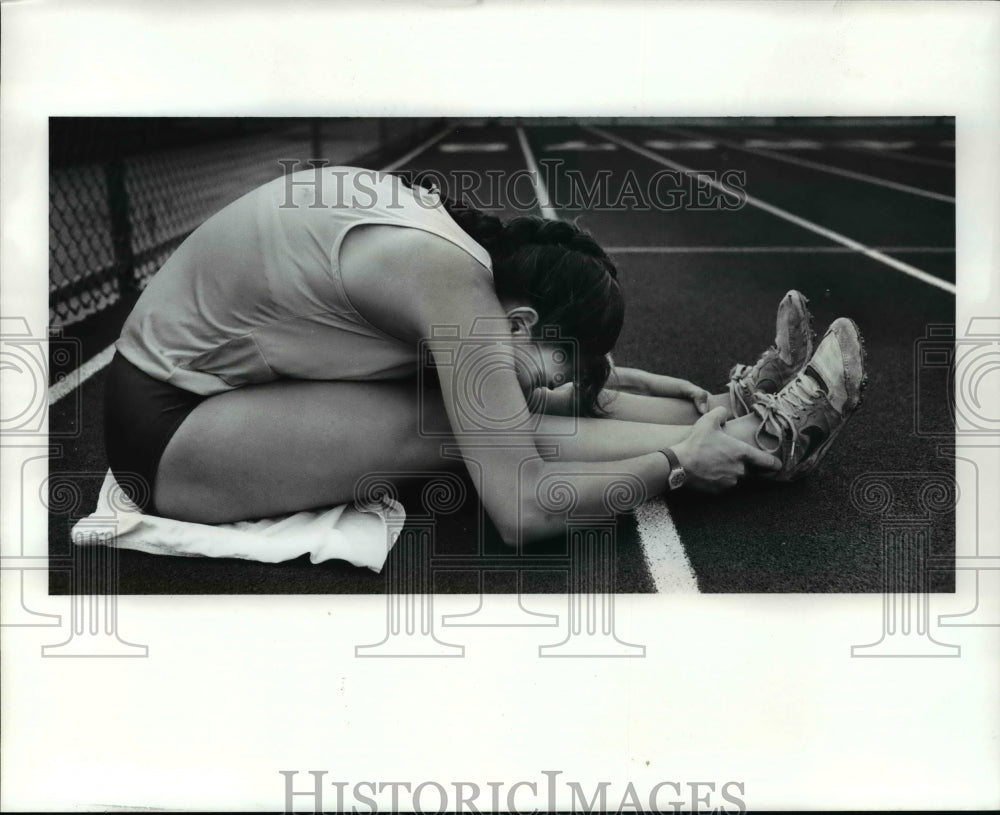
{"x": 390, "y": 272}
{"x": 400, "y": 248}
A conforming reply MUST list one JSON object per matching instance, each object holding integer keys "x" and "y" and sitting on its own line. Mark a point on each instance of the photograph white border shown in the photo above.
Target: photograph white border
{"x": 748, "y": 688}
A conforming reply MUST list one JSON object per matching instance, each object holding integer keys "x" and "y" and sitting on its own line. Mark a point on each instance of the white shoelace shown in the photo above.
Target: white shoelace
{"x": 737, "y": 383}
{"x": 780, "y": 412}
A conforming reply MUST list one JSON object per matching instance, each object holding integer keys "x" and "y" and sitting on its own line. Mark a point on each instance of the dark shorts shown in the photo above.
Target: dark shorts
{"x": 141, "y": 414}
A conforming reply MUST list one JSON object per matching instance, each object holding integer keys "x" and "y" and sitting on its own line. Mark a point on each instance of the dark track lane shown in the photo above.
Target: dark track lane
{"x": 932, "y": 140}
{"x": 695, "y": 314}
{"x": 878, "y": 164}
{"x": 621, "y": 220}
{"x": 692, "y": 315}
{"x": 868, "y": 214}
{"x": 483, "y": 176}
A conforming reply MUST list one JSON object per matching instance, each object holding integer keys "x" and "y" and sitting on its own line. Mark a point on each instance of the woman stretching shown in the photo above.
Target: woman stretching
{"x": 274, "y": 361}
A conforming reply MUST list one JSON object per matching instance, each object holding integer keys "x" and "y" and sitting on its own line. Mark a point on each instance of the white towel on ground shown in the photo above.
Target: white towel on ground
{"x": 362, "y": 536}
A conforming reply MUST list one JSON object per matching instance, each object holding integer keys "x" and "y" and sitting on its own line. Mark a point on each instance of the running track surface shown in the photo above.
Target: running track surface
{"x": 860, "y": 219}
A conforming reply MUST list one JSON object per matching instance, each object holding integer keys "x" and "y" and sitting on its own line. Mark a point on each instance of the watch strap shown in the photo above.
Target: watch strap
{"x": 671, "y": 458}
{"x": 676, "y": 476}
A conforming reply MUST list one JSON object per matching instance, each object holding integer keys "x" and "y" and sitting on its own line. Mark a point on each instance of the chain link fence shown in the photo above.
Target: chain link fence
{"x": 124, "y": 193}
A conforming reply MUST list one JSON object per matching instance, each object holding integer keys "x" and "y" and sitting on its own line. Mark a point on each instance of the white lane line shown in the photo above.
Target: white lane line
{"x": 836, "y": 237}
{"x": 658, "y": 537}
{"x": 68, "y": 384}
{"x": 668, "y": 562}
{"x": 783, "y": 144}
{"x": 741, "y": 250}
{"x": 879, "y": 144}
{"x": 580, "y": 146}
{"x": 854, "y": 146}
{"x": 416, "y": 151}
{"x": 473, "y": 147}
{"x": 541, "y": 193}
{"x": 816, "y": 165}
{"x": 663, "y": 144}
{"x": 99, "y": 361}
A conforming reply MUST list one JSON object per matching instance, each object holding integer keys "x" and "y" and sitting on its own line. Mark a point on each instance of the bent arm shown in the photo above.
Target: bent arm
{"x": 629, "y": 380}
{"x": 450, "y": 302}
{"x": 624, "y": 406}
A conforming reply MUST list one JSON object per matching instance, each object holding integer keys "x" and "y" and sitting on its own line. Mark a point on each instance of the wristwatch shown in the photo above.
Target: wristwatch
{"x": 677, "y": 476}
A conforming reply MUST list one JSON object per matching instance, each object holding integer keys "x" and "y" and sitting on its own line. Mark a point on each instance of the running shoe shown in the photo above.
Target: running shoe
{"x": 778, "y": 364}
{"x": 799, "y": 423}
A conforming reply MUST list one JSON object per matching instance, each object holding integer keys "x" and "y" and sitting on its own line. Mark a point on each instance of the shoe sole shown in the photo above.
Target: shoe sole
{"x": 818, "y": 455}
{"x": 802, "y": 303}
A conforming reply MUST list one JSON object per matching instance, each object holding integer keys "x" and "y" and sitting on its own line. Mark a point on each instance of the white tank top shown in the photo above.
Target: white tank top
{"x": 255, "y": 293}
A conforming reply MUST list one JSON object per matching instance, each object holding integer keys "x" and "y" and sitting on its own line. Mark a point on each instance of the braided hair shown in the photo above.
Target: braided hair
{"x": 563, "y": 273}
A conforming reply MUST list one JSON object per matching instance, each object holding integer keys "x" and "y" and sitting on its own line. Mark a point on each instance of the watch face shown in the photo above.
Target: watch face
{"x": 677, "y": 477}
